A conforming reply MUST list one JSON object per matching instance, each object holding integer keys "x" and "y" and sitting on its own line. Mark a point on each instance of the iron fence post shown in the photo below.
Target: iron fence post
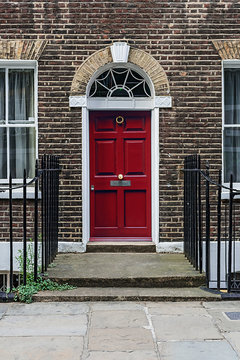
{"x": 43, "y": 212}
{"x": 219, "y": 210}
{"x": 11, "y": 232}
{"x": 24, "y": 228}
{"x": 207, "y": 228}
{"x": 36, "y": 224}
{"x": 199, "y": 214}
{"x": 229, "y": 276}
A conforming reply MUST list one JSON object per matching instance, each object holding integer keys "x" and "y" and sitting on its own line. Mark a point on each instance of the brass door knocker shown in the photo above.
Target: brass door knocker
{"x": 119, "y": 120}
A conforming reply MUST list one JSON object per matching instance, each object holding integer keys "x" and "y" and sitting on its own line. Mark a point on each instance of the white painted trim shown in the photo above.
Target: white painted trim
{"x": 121, "y": 103}
{"x": 227, "y": 64}
{"x": 152, "y": 104}
{"x": 78, "y": 247}
{"x": 77, "y": 101}
{"x": 85, "y": 177}
{"x": 170, "y": 247}
{"x": 23, "y": 64}
{"x": 18, "y": 193}
{"x": 128, "y": 66}
{"x": 20, "y": 64}
{"x": 120, "y": 52}
{"x": 163, "y": 102}
{"x": 231, "y": 63}
{"x": 71, "y": 247}
{"x": 154, "y": 176}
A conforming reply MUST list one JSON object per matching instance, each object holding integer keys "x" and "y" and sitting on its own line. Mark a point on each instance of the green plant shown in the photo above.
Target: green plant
{"x": 24, "y": 293}
{"x": 29, "y": 261}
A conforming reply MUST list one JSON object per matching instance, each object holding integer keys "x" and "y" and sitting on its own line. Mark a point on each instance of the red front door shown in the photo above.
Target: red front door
{"x": 120, "y": 175}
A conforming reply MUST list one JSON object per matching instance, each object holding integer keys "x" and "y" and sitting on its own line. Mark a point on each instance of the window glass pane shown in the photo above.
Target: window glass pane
{"x": 232, "y": 154}
{"x": 120, "y": 92}
{"x": 232, "y": 96}
{"x": 21, "y": 95}
{"x": 3, "y": 153}
{"x": 22, "y": 152}
{"x": 118, "y": 82}
{"x": 2, "y": 95}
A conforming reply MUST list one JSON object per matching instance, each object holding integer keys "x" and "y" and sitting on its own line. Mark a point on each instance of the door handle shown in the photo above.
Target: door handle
{"x": 92, "y": 187}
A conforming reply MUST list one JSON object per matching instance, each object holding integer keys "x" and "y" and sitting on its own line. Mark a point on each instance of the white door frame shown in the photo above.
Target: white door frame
{"x": 154, "y": 106}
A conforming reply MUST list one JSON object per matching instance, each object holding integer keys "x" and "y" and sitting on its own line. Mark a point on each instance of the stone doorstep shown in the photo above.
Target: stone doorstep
{"x": 119, "y": 247}
{"x": 127, "y": 294}
{"x": 134, "y": 282}
{"x": 125, "y": 270}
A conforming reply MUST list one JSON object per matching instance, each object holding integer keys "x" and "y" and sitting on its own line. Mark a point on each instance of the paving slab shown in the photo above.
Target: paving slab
{"x": 118, "y": 319}
{"x": 122, "y": 339}
{"x": 197, "y": 350}
{"x": 120, "y": 355}
{"x": 179, "y": 308}
{"x": 116, "y": 305}
{"x": 41, "y": 348}
{"x": 3, "y": 309}
{"x": 53, "y": 308}
{"x": 234, "y": 340}
{"x": 65, "y": 325}
{"x": 223, "y": 322}
{"x": 184, "y": 327}
{"x": 224, "y": 305}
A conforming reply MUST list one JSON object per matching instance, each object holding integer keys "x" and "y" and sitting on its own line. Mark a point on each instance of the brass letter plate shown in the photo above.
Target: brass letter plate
{"x": 120, "y": 183}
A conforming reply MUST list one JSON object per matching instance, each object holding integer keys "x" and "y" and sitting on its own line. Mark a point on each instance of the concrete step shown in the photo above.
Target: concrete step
{"x": 120, "y": 247}
{"x": 127, "y": 294}
{"x": 145, "y": 282}
{"x": 143, "y": 270}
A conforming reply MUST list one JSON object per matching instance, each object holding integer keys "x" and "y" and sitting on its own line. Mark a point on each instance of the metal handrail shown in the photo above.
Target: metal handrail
{"x": 40, "y": 172}
{"x": 206, "y": 177}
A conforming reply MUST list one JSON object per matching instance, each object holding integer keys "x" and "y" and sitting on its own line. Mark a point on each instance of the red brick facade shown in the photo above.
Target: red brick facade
{"x": 178, "y": 34}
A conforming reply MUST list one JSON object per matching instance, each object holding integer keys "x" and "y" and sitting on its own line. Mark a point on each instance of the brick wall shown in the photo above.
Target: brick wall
{"x": 178, "y": 34}
{"x": 17, "y": 218}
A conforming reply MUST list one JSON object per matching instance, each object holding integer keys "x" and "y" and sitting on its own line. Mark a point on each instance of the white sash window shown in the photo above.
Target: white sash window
{"x": 18, "y": 119}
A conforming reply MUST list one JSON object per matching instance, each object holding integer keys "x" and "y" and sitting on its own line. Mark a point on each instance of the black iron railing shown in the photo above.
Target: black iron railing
{"x": 46, "y": 204}
{"x": 211, "y": 225}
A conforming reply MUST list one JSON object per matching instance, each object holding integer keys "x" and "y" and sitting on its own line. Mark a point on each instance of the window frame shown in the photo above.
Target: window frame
{"x": 20, "y": 65}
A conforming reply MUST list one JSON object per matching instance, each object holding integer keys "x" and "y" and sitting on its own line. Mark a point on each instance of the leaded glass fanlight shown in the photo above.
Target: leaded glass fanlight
{"x": 120, "y": 82}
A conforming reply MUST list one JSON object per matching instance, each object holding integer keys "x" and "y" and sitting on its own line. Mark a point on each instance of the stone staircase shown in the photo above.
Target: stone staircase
{"x": 122, "y": 271}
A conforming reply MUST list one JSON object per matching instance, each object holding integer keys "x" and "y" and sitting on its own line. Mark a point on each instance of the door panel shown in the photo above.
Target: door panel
{"x": 135, "y": 124}
{"x": 120, "y": 208}
{"x": 104, "y": 123}
{"x": 134, "y": 156}
{"x": 105, "y": 151}
{"x": 135, "y": 208}
{"x": 106, "y": 209}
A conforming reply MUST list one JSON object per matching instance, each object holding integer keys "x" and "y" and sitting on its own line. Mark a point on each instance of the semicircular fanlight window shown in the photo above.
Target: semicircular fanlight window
{"x": 120, "y": 82}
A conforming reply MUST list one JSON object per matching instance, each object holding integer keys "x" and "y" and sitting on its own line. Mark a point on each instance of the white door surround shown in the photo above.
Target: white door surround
{"x": 153, "y": 104}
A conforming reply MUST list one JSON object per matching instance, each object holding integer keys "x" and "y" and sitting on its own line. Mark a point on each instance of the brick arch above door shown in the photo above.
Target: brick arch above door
{"x": 136, "y": 56}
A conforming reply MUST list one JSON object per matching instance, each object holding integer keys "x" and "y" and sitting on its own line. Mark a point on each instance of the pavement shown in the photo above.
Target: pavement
{"x": 120, "y": 331}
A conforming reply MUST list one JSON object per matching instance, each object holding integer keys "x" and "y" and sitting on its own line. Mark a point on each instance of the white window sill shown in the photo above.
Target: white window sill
{"x": 225, "y": 196}
{"x": 18, "y": 194}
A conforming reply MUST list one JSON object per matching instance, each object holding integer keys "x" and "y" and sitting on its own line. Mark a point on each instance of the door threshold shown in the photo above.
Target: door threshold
{"x": 120, "y": 239}
{"x": 121, "y": 246}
